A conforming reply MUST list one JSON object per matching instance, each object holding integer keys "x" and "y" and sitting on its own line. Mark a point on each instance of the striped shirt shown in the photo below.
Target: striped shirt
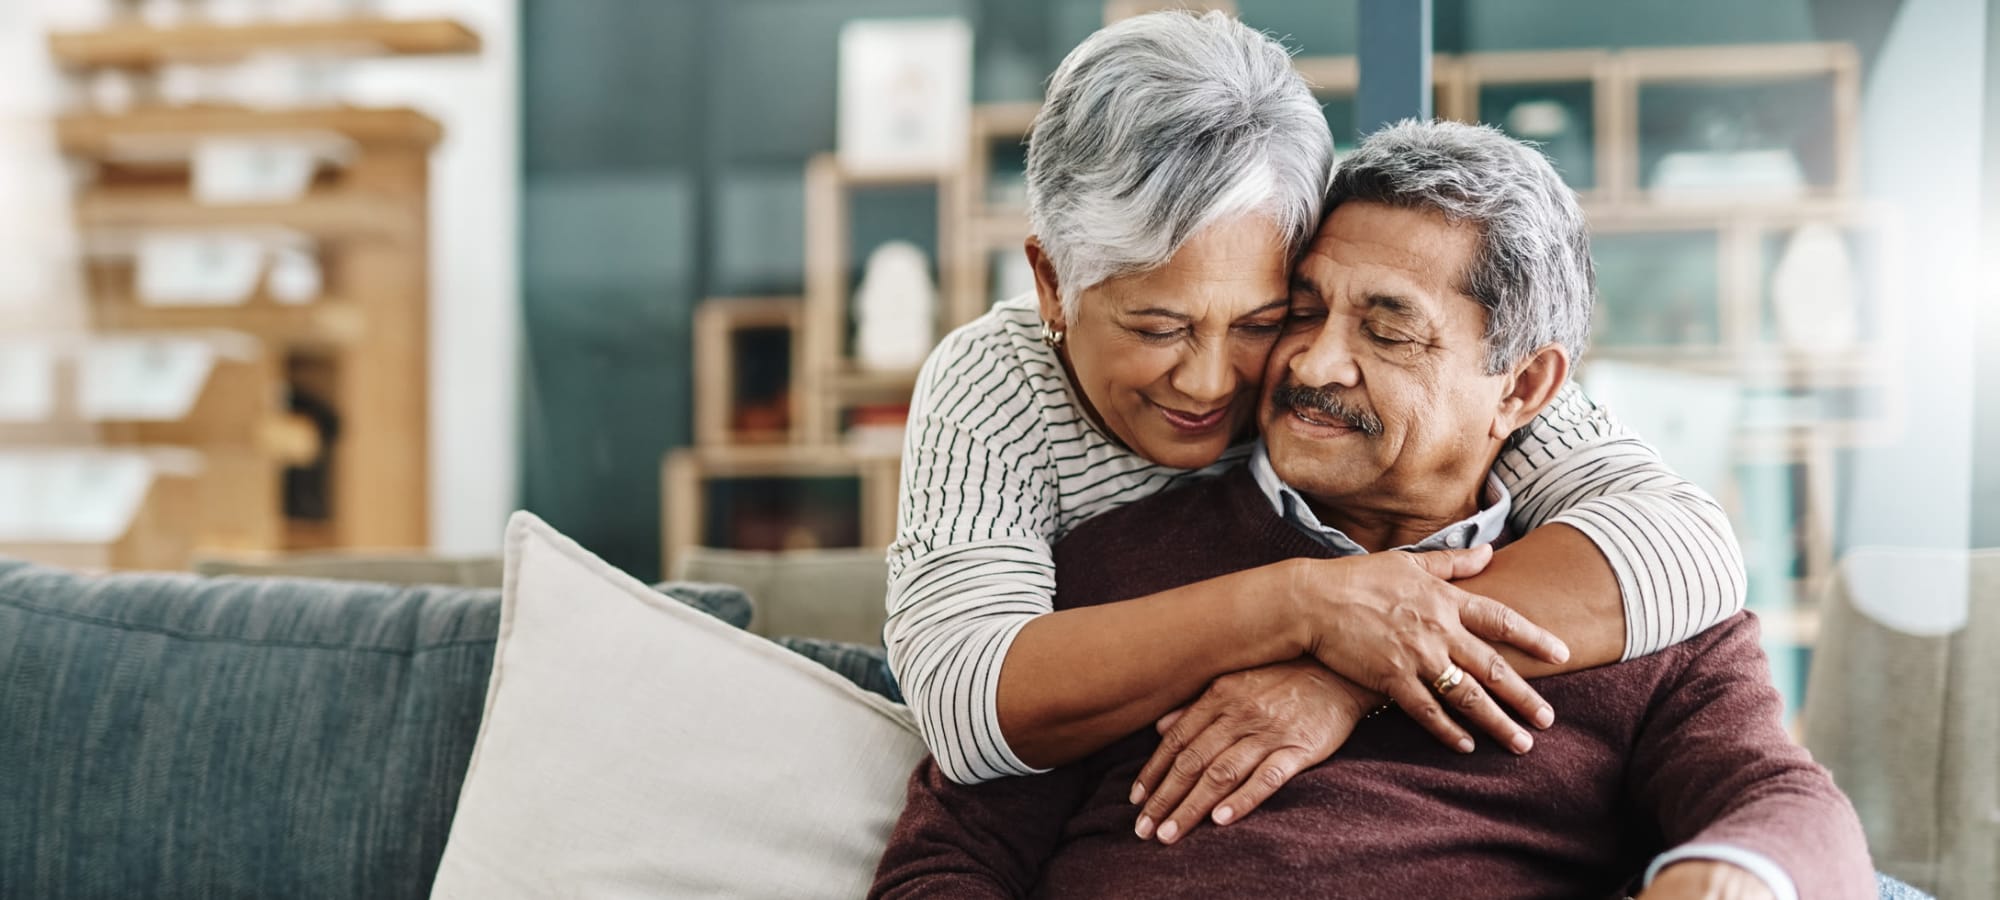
{"x": 1000, "y": 462}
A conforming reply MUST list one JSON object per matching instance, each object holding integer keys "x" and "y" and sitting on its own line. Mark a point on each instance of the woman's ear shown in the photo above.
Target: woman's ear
{"x": 1535, "y": 382}
{"x": 1046, "y": 289}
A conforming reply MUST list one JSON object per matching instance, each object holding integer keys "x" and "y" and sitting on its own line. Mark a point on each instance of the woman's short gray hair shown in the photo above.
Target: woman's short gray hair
{"x": 1161, "y": 125}
{"x": 1533, "y": 273}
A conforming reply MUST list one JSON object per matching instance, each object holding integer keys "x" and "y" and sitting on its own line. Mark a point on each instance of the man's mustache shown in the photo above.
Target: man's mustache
{"x": 1326, "y": 403}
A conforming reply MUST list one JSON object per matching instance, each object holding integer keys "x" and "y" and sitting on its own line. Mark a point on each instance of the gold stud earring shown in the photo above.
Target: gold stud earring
{"x": 1050, "y": 335}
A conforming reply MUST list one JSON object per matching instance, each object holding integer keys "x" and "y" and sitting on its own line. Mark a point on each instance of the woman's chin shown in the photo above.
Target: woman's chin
{"x": 1175, "y": 451}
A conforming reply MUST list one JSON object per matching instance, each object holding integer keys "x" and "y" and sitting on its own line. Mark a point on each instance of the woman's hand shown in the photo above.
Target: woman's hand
{"x": 1241, "y": 740}
{"x": 1394, "y": 624}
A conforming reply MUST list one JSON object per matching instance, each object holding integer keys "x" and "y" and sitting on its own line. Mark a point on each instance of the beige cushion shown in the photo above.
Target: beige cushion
{"x": 839, "y": 595}
{"x": 634, "y": 747}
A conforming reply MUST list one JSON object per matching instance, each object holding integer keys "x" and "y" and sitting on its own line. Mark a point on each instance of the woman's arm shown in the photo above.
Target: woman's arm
{"x": 1664, "y": 540}
{"x": 1368, "y": 617}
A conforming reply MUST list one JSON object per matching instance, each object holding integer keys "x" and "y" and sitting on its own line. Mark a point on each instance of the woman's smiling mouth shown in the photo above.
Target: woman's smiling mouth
{"x": 1192, "y": 423}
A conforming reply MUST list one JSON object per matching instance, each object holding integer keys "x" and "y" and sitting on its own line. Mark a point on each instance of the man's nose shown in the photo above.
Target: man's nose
{"x": 1206, "y": 375}
{"x": 1329, "y": 360}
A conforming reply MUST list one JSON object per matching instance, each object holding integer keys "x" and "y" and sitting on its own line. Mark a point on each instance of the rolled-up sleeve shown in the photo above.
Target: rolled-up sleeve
{"x": 1670, "y": 544}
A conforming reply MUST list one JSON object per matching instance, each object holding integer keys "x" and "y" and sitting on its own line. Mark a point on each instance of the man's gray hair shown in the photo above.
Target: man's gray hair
{"x": 1533, "y": 273}
{"x": 1161, "y": 125}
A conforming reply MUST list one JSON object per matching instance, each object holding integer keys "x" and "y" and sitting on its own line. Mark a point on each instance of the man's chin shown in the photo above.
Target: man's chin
{"x": 1318, "y": 479}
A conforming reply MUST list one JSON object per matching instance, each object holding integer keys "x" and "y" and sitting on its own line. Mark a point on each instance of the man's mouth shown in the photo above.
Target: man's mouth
{"x": 1317, "y": 420}
{"x": 1322, "y": 409}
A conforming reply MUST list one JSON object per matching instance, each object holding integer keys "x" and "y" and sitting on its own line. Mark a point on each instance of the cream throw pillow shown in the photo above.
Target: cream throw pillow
{"x": 633, "y": 747}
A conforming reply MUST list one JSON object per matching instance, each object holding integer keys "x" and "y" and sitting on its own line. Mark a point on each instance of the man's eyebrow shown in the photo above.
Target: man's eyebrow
{"x": 1308, "y": 287}
{"x": 1400, "y": 307}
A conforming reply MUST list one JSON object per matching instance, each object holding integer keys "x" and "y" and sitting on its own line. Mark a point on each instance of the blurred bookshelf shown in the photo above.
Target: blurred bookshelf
{"x": 1687, "y": 256}
{"x": 309, "y": 427}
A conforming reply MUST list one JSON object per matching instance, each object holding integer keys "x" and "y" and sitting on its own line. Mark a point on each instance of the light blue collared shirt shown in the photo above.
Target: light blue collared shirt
{"x": 1485, "y": 527}
{"x": 1482, "y": 527}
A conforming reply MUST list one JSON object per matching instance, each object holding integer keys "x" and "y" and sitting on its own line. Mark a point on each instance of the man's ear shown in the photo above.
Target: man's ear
{"x": 1046, "y": 288}
{"x": 1535, "y": 383}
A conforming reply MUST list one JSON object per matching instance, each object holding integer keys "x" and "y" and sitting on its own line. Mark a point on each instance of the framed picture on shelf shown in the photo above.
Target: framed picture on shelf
{"x": 905, "y": 94}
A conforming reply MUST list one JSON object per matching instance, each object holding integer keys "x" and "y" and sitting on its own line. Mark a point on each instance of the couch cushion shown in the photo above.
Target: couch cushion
{"x": 633, "y": 748}
{"x": 173, "y": 736}
{"x": 838, "y": 595}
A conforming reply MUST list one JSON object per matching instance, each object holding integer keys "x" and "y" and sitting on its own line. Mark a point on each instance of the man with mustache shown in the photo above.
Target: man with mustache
{"x": 1437, "y": 313}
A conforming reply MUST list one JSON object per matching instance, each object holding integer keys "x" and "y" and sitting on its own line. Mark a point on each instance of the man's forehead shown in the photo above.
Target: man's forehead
{"x": 1390, "y": 248}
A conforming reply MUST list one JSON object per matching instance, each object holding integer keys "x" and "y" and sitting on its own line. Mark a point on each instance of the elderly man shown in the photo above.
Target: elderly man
{"x": 1437, "y": 313}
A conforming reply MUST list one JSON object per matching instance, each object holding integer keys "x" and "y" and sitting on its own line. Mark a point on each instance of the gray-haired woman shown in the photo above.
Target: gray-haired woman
{"x": 1176, "y": 171}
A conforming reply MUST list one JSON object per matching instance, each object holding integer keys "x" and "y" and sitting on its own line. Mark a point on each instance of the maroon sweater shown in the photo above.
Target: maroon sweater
{"x": 1681, "y": 747}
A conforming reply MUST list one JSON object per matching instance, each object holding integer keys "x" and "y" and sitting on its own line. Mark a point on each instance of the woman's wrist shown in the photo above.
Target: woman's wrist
{"x": 1293, "y": 610}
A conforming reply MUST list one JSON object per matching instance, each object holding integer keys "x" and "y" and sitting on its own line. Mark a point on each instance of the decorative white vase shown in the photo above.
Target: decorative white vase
{"x": 1813, "y": 292}
{"x": 895, "y": 309}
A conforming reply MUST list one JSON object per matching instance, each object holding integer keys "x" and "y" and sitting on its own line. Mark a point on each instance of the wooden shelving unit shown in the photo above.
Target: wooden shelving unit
{"x": 134, "y": 45}
{"x": 360, "y": 348}
{"x": 974, "y": 226}
{"x": 156, "y": 536}
{"x": 829, "y": 367}
{"x": 98, "y": 135}
{"x": 717, "y": 369}
{"x": 687, "y": 473}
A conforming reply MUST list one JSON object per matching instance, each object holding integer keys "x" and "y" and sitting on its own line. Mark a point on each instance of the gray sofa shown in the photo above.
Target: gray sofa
{"x": 178, "y": 736}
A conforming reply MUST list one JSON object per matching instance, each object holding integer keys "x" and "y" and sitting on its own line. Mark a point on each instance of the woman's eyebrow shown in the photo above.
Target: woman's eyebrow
{"x": 1282, "y": 303}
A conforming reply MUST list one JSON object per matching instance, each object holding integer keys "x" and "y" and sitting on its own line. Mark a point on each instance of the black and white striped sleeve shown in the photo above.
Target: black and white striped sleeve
{"x": 971, "y": 562}
{"x": 1678, "y": 565}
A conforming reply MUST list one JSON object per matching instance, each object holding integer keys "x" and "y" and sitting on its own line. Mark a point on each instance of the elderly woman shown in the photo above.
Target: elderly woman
{"x": 1176, "y": 171}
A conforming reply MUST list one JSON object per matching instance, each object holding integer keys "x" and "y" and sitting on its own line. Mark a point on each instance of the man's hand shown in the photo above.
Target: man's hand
{"x": 1703, "y": 879}
{"x": 1393, "y": 623}
{"x": 1241, "y": 740}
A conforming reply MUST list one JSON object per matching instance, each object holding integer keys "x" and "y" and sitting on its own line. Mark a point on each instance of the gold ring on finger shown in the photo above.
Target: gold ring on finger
{"x": 1450, "y": 678}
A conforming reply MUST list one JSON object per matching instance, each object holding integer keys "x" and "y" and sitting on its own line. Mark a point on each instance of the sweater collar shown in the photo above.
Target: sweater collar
{"x": 1483, "y": 527}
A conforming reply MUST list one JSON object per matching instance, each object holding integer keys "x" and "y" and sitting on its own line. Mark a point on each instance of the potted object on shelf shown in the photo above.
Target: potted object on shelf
{"x": 895, "y": 309}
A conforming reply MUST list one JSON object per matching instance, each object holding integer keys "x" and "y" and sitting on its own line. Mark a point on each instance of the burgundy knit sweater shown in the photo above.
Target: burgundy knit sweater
{"x": 1685, "y": 746}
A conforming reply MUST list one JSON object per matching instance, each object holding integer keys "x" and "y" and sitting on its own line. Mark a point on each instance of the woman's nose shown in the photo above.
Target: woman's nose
{"x": 1206, "y": 375}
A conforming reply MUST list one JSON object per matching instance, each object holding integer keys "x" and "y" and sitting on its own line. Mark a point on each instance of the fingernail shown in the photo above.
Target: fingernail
{"x": 1543, "y": 718}
{"x": 1562, "y": 654}
{"x": 1223, "y": 814}
{"x": 1465, "y": 745}
{"x": 1138, "y": 794}
{"x": 1145, "y": 828}
{"x": 1523, "y": 743}
{"x": 1167, "y": 832}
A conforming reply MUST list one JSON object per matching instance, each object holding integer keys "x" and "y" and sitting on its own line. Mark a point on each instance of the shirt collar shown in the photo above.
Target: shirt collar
{"x": 1483, "y": 527}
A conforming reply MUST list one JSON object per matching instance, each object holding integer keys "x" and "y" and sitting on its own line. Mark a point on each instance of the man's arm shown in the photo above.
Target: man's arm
{"x": 1713, "y": 762}
{"x": 979, "y": 840}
